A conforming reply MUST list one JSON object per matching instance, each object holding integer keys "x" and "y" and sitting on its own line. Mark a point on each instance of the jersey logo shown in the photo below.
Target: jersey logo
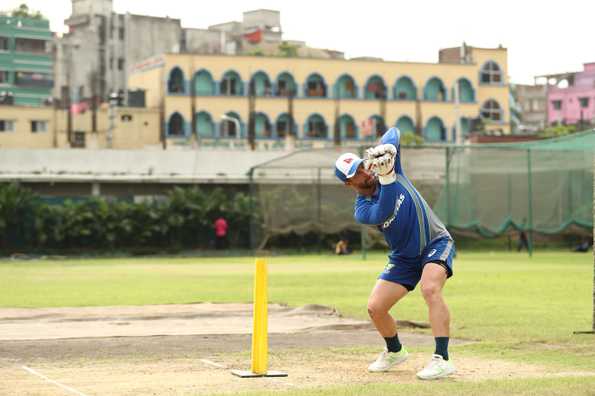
{"x": 432, "y": 252}
{"x": 348, "y": 160}
{"x": 390, "y": 220}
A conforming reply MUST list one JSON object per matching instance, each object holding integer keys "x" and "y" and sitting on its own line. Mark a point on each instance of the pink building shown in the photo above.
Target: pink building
{"x": 575, "y": 103}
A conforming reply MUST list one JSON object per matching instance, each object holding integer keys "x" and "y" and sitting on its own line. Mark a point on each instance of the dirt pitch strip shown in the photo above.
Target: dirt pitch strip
{"x": 189, "y": 350}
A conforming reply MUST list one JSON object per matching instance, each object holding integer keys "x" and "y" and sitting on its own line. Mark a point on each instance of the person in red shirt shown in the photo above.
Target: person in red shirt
{"x": 220, "y": 233}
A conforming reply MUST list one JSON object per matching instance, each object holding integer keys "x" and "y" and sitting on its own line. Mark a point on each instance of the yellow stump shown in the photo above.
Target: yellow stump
{"x": 260, "y": 342}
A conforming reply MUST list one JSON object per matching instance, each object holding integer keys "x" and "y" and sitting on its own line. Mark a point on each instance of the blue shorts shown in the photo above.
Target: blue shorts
{"x": 407, "y": 272}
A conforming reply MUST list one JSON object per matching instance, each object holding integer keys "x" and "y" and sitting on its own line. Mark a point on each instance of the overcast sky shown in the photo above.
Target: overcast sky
{"x": 542, "y": 37}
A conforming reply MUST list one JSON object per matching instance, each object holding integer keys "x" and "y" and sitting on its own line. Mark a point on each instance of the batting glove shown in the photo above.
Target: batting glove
{"x": 382, "y": 160}
{"x": 381, "y": 150}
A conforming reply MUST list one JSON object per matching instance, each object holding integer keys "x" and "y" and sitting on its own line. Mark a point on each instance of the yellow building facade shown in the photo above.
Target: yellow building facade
{"x": 211, "y": 97}
{"x": 47, "y": 127}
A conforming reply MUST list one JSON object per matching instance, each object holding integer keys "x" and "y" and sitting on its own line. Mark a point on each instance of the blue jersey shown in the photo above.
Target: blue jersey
{"x": 400, "y": 212}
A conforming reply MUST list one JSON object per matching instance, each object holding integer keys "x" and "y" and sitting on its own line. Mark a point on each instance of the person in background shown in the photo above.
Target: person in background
{"x": 342, "y": 247}
{"x": 220, "y": 233}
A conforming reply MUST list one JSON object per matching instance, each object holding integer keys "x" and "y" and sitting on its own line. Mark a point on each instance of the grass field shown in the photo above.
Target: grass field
{"x": 516, "y": 308}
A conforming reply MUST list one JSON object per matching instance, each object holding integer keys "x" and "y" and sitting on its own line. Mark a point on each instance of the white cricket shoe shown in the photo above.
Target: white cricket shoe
{"x": 437, "y": 368}
{"x": 387, "y": 359}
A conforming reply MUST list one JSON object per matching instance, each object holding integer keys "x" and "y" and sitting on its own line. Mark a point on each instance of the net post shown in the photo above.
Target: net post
{"x": 363, "y": 230}
{"x": 530, "y": 201}
{"x": 447, "y": 177}
{"x": 252, "y": 221}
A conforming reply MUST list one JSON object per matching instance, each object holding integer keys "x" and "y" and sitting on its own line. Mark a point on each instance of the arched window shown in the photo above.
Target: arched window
{"x": 176, "y": 125}
{"x": 434, "y": 90}
{"x": 260, "y": 85}
{"x": 466, "y": 93}
{"x": 405, "y": 124}
{"x": 491, "y": 73}
{"x": 262, "y": 126}
{"x": 285, "y": 125}
{"x": 175, "y": 84}
{"x": 345, "y": 87}
{"x": 375, "y": 88}
{"x": 205, "y": 127}
{"x": 316, "y": 127}
{"x": 435, "y": 130}
{"x": 491, "y": 110}
{"x": 286, "y": 85}
{"x": 405, "y": 89}
{"x": 347, "y": 127}
{"x": 204, "y": 84}
{"x": 231, "y": 125}
{"x": 231, "y": 84}
{"x": 315, "y": 86}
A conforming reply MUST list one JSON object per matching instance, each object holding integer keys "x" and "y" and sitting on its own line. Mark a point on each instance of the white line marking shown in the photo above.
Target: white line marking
{"x": 211, "y": 363}
{"x": 67, "y": 388}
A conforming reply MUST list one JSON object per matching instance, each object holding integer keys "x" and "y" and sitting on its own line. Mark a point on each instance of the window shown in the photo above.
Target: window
{"x": 121, "y": 33}
{"x": 584, "y": 102}
{"x": 79, "y": 139}
{"x": 491, "y": 110}
{"x": 3, "y": 77}
{"x": 557, "y": 104}
{"x": 39, "y": 126}
{"x": 30, "y": 45}
{"x": 120, "y": 63}
{"x": 33, "y": 80}
{"x": 6, "y": 126}
{"x": 4, "y": 44}
{"x": 491, "y": 73}
{"x": 111, "y": 63}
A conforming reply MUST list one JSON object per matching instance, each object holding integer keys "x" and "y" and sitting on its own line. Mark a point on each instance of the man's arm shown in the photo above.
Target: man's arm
{"x": 367, "y": 212}
{"x": 393, "y": 136}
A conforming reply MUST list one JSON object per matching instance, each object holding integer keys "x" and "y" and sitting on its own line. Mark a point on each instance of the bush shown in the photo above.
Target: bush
{"x": 183, "y": 220}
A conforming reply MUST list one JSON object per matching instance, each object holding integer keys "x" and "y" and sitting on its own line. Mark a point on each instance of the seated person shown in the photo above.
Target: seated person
{"x": 342, "y": 247}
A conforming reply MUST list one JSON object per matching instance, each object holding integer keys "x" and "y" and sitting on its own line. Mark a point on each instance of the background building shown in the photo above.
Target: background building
{"x": 93, "y": 59}
{"x": 571, "y": 97}
{"x": 26, "y": 65}
{"x": 214, "y": 97}
{"x": 532, "y": 101}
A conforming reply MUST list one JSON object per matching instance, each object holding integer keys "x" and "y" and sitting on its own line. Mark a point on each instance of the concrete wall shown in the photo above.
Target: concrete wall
{"x": 135, "y": 128}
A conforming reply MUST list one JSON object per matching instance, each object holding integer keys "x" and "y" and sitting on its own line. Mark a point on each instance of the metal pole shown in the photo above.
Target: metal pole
{"x": 252, "y": 221}
{"x": 530, "y": 198}
{"x": 319, "y": 209}
{"x": 447, "y": 177}
{"x": 363, "y": 228}
{"x": 593, "y": 325}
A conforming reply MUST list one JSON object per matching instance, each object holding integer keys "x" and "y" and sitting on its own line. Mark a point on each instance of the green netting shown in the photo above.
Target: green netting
{"x": 544, "y": 187}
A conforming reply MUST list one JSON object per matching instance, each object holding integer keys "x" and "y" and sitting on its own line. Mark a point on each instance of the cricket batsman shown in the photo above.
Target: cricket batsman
{"x": 421, "y": 249}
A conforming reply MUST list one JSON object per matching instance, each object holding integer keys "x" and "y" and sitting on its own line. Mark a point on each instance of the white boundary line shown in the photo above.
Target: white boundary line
{"x": 213, "y": 364}
{"x": 51, "y": 381}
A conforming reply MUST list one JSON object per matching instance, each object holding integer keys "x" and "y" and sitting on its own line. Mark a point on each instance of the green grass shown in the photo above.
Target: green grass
{"x": 545, "y": 387}
{"x": 518, "y": 308}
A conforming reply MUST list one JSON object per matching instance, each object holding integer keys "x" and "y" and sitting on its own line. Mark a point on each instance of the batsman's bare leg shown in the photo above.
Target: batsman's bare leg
{"x": 384, "y": 295}
{"x": 433, "y": 279}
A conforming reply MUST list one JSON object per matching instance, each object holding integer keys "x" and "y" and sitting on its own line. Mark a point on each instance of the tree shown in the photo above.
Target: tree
{"x": 288, "y": 50}
{"x": 23, "y": 11}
